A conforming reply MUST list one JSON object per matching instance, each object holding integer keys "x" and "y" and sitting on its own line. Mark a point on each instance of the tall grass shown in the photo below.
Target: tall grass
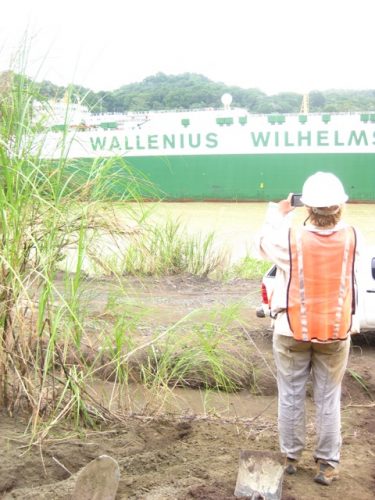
{"x": 160, "y": 249}
{"x": 209, "y": 354}
{"x": 246, "y": 268}
{"x": 45, "y": 208}
{"x": 49, "y": 350}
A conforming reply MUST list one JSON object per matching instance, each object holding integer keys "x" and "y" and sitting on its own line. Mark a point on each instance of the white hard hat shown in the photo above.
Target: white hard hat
{"x": 323, "y": 190}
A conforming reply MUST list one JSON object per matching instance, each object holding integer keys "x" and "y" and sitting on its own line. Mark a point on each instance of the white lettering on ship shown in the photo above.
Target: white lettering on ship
{"x": 163, "y": 142}
{"x": 318, "y": 138}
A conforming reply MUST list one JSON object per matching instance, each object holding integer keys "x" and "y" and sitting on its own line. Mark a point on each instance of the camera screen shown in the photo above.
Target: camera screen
{"x": 296, "y": 200}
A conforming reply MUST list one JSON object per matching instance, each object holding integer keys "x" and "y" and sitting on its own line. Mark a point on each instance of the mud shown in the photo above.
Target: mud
{"x": 195, "y": 455}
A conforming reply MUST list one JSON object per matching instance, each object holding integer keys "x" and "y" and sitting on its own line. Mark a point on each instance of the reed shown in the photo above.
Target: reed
{"x": 164, "y": 248}
{"x": 361, "y": 382}
{"x": 53, "y": 221}
{"x": 247, "y": 268}
{"x": 45, "y": 209}
{"x": 209, "y": 354}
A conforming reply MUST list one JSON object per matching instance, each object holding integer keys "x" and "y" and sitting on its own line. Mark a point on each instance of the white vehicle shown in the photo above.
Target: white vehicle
{"x": 366, "y": 292}
{"x": 266, "y": 289}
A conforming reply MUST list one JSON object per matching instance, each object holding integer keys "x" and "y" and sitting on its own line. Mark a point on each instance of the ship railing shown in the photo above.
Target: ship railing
{"x": 233, "y": 109}
{"x": 163, "y": 111}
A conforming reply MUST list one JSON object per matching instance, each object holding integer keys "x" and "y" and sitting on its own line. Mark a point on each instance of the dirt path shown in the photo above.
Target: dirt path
{"x": 195, "y": 457}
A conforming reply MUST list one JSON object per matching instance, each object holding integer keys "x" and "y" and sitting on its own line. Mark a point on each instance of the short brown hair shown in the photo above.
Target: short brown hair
{"x": 325, "y": 216}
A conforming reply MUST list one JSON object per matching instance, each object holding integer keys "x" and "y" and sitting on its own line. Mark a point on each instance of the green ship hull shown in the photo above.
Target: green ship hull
{"x": 224, "y": 154}
{"x": 240, "y": 177}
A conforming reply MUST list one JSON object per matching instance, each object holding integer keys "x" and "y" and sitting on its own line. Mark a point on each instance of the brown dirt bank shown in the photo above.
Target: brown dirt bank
{"x": 194, "y": 456}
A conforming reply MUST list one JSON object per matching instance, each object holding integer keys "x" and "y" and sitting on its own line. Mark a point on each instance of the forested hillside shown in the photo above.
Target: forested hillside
{"x": 191, "y": 90}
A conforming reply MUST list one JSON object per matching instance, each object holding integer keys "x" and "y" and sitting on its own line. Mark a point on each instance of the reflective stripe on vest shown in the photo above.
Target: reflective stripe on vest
{"x": 320, "y": 290}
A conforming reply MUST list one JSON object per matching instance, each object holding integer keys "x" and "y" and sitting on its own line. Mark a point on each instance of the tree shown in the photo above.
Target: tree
{"x": 191, "y": 90}
{"x": 317, "y": 100}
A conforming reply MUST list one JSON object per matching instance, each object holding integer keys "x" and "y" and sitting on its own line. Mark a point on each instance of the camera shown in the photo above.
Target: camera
{"x": 296, "y": 200}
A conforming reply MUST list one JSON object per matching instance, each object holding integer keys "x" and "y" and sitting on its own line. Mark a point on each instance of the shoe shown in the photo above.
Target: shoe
{"x": 326, "y": 473}
{"x": 290, "y": 465}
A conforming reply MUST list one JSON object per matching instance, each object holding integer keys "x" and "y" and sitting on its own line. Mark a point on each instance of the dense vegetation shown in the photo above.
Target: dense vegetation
{"x": 58, "y": 235}
{"x": 190, "y": 90}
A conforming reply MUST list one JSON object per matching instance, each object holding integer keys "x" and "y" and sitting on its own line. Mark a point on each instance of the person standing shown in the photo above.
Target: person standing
{"x": 313, "y": 305}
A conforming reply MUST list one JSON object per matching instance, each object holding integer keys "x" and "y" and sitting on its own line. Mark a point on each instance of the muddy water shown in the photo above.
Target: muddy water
{"x": 137, "y": 399}
{"x": 233, "y": 224}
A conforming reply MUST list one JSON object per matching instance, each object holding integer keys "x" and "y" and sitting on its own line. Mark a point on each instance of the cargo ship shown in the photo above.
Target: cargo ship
{"x": 225, "y": 154}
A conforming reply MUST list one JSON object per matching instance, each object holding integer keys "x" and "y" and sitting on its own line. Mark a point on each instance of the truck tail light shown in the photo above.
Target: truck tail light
{"x": 264, "y": 294}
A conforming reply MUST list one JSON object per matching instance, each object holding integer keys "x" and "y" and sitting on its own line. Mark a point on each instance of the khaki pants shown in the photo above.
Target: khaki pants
{"x": 327, "y": 364}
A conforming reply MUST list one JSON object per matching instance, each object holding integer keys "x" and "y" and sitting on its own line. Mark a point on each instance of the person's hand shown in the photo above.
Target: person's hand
{"x": 285, "y": 206}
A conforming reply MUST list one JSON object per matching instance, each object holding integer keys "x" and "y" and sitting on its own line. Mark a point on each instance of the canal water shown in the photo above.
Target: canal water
{"x": 233, "y": 224}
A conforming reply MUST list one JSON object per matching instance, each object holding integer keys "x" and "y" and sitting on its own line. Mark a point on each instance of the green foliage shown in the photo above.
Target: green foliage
{"x": 190, "y": 90}
{"x": 247, "y": 268}
{"x": 44, "y": 211}
{"x": 167, "y": 249}
{"x": 361, "y": 381}
{"x": 208, "y": 355}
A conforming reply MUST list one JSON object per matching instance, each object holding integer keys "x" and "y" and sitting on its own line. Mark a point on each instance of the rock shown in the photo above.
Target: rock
{"x": 98, "y": 480}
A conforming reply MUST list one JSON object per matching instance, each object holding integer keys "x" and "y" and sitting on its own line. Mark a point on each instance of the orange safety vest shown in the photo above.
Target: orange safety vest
{"x": 320, "y": 297}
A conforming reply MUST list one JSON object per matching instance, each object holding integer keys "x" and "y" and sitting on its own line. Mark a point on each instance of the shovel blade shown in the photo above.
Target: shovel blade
{"x": 260, "y": 475}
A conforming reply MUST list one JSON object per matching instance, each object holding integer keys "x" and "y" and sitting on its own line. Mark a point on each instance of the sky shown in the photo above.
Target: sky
{"x": 273, "y": 45}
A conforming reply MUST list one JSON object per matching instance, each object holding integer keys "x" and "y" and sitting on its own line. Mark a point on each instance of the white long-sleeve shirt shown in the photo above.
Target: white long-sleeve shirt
{"x": 272, "y": 243}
